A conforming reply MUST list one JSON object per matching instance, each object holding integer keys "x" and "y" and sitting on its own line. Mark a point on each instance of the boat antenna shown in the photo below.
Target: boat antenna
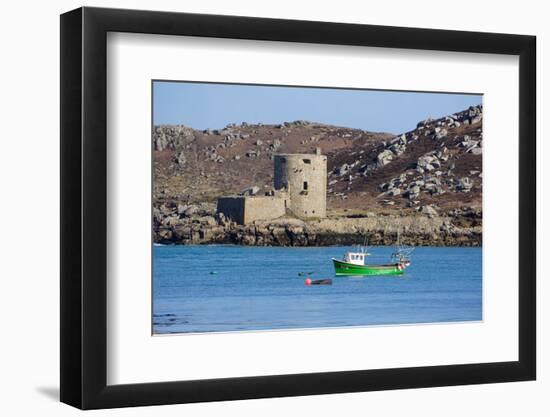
{"x": 365, "y": 247}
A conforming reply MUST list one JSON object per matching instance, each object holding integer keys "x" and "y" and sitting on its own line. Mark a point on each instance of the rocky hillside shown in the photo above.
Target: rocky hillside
{"x": 439, "y": 164}
{"x": 434, "y": 170}
{"x": 197, "y": 166}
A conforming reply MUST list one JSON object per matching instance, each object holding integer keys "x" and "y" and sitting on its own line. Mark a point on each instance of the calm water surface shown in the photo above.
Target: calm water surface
{"x": 222, "y": 288}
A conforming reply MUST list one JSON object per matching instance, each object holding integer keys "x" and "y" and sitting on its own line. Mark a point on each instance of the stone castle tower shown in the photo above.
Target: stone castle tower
{"x": 304, "y": 178}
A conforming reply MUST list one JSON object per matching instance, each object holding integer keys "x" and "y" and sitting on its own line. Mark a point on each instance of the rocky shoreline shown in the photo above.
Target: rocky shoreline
{"x": 200, "y": 224}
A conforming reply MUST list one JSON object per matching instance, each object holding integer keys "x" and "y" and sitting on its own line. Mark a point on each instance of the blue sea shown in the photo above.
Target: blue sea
{"x": 224, "y": 288}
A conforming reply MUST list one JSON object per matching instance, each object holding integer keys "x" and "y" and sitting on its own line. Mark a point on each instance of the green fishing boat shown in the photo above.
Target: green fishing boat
{"x": 353, "y": 263}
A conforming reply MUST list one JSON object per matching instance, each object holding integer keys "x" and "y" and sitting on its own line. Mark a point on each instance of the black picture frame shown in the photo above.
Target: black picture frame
{"x": 84, "y": 207}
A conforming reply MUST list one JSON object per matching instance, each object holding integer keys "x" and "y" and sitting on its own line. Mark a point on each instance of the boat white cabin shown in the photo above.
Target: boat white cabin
{"x": 355, "y": 258}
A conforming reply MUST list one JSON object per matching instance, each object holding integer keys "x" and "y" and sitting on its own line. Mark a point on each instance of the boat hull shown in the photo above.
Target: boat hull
{"x": 344, "y": 268}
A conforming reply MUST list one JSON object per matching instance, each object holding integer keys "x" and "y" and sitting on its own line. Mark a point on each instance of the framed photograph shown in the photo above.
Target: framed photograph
{"x": 257, "y": 208}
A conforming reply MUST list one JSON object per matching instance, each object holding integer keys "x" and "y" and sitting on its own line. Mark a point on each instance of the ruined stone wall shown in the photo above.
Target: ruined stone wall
{"x": 247, "y": 209}
{"x": 304, "y": 176}
{"x": 232, "y": 208}
{"x": 263, "y": 208}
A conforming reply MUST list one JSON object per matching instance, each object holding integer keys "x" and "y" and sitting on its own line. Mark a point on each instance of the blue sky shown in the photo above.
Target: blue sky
{"x": 204, "y": 105}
